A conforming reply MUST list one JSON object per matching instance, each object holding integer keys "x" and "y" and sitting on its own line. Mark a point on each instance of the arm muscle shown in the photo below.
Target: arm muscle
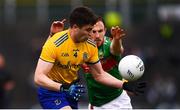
{"x": 41, "y": 78}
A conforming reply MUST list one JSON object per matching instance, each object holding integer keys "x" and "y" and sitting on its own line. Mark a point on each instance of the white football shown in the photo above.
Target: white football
{"x": 131, "y": 67}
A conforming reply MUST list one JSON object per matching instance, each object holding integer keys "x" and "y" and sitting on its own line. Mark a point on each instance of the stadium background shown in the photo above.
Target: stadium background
{"x": 152, "y": 28}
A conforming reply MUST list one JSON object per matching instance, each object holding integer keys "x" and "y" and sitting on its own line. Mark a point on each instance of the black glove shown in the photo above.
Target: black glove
{"x": 135, "y": 87}
{"x": 74, "y": 90}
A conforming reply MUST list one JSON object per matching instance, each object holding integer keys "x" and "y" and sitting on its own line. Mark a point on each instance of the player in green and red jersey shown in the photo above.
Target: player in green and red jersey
{"x": 102, "y": 96}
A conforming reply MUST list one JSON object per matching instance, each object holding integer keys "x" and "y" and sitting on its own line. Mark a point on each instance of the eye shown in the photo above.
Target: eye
{"x": 100, "y": 31}
{"x": 94, "y": 31}
{"x": 89, "y": 29}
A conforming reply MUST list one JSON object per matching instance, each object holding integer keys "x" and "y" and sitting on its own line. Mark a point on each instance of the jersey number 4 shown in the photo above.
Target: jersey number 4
{"x": 75, "y": 54}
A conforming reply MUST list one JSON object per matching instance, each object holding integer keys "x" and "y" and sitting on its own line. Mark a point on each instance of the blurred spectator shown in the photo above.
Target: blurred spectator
{"x": 162, "y": 94}
{"x": 6, "y": 84}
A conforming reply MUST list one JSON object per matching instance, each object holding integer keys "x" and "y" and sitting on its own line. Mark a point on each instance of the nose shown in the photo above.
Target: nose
{"x": 96, "y": 34}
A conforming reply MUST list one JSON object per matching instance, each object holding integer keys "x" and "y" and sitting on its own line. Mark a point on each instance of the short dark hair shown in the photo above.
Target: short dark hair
{"x": 101, "y": 19}
{"x": 82, "y": 16}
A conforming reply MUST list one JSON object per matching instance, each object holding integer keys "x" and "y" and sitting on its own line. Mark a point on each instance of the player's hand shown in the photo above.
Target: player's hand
{"x": 74, "y": 90}
{"x": 57, "y": 26}
{"x": 137, "y": 88}
{"x": 117, "y": 33}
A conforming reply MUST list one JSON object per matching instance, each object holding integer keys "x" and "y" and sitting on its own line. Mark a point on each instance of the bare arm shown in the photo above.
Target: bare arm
{"x": 103, "y": 77}
{"x": 43, "y": 67}
{"x": 116, "y": 44}
{"x": 41, "y": 79}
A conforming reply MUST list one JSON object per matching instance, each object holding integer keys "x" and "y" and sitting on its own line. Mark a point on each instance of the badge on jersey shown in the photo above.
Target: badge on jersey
{"x": 85, "y": 56}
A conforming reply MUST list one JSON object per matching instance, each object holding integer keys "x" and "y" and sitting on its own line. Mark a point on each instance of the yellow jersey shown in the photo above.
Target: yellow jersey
{"x": 67, "y": 56}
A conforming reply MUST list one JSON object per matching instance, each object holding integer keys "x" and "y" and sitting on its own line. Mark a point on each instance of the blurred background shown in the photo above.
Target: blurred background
{"x": 152, "y": 32}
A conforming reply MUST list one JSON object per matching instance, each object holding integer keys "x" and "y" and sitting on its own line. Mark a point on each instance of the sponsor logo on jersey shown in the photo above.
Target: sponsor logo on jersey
{"x": 68, "y": 65}
{"x": 64, "y": 54}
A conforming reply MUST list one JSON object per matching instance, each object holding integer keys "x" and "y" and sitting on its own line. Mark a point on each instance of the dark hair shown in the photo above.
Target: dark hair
{"x": 82, "y": 16}
{"x": 101, "y": 19}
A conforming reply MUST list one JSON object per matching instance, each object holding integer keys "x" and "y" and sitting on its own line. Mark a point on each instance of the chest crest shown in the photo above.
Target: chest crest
{"x": 85, "y": 56}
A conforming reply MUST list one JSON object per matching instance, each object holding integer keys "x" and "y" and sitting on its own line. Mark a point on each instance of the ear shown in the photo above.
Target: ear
{"x": 105, "y": 29}
{"x": 74, "y": 26}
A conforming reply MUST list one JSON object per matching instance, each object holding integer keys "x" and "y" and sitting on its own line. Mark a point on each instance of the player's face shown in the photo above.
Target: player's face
{"x": 83, "y": 33}
{"x": 98, "y": 32}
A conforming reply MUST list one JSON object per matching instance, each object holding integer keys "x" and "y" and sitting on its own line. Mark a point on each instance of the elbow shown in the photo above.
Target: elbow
{"x": 37, "y": 80}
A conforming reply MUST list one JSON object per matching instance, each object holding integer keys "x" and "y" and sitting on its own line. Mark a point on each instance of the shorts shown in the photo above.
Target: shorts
{"x": 121, "y": 102}
{"x": 55, "y": 100}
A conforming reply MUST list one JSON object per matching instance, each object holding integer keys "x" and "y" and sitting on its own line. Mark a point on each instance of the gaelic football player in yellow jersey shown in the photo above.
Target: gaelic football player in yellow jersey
{"x": 60, "y": 59}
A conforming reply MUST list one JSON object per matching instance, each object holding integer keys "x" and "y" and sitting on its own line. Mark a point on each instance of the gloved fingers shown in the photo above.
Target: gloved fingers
{"x": 76, "y": 96}
{"x": 79, "y": 90}
{"x": 139, "y": 92}
{"x": 141, "y": 86}
{"x": 142, "y": 83}
{"x": 80, "y": 86}
{"x": 76, "y": 99}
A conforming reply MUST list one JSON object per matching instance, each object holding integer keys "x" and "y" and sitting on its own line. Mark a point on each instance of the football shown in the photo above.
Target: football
{"x": 131, "y": 67}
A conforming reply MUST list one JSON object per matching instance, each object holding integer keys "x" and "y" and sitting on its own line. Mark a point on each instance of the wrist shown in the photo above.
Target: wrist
{"x": 125, "y": 86}
{"x": 61, "y": 88}
{"x": 64, "y": 87}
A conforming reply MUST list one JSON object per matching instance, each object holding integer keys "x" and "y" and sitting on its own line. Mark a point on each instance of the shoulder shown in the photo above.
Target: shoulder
{"x": 58, "y": 38}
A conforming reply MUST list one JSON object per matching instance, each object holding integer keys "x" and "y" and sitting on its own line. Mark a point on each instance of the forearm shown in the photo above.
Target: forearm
{"x": 116, "y": 47}
{"x": 108, "y": 80}
{"x": 41, "y": 78}
{"x": 105, "y": 78}
{"x": 43, "y": 81}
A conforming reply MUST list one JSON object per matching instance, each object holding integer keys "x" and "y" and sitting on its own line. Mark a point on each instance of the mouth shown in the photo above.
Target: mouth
{"x": 97, "y": 40}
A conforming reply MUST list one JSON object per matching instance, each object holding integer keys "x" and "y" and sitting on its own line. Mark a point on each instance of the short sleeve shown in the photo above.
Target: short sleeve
{"x": 94, "y": 56}
{"x": 48, "y": 52}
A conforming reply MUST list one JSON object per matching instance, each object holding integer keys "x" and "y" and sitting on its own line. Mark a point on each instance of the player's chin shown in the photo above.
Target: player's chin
{"x": 99, "y": 43}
